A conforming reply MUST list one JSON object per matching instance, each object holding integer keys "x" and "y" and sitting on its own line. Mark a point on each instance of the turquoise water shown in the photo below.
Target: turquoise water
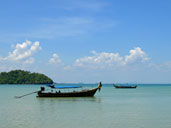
{"x": 145, "y": 107}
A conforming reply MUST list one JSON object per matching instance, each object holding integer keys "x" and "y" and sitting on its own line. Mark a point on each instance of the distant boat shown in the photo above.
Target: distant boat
{"x": 82, "y": 93}
{"x": 125, "y": 86}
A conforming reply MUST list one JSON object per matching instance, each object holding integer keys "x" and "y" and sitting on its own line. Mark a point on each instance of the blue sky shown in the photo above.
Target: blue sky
{"x": 88, "y": 40}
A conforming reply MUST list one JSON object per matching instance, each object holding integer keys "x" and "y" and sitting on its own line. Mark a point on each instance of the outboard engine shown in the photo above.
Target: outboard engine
{"x": 42, "y": 88}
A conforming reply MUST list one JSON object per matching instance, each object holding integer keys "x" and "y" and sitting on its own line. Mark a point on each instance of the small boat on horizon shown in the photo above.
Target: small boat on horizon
{"x": 58, "y": 93}
{"x": 125, "y": 86}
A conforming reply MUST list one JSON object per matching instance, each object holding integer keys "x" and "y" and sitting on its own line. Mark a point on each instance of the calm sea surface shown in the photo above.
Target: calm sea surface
{"x": 148, "y": 106}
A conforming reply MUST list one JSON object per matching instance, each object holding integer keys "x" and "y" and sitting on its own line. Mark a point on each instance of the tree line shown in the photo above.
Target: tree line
{"x": 23, "y": 77}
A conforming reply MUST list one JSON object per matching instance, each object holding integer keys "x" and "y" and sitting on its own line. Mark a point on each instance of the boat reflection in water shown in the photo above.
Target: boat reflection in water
{"x": 58, "y": 93}
{"x": 125, "y": 86}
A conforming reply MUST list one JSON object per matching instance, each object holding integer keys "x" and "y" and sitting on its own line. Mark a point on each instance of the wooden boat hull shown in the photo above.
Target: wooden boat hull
{"x": 86, "y": 93}
{"x": 82, "y": 93}
{"x": 127, "y": 87}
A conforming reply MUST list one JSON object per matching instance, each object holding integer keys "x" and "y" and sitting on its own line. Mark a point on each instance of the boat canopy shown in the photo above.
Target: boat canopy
{"x": 63, "y": 87}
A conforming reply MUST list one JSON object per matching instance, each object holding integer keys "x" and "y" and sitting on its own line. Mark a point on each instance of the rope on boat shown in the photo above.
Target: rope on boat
{"x": 26, "y": 94}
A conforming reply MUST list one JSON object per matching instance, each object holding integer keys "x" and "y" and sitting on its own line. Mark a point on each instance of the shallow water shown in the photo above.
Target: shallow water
{"x": 148, "y": 106}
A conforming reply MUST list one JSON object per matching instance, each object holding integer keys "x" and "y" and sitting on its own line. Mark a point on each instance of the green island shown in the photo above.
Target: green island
{"x": 23, "y": 77}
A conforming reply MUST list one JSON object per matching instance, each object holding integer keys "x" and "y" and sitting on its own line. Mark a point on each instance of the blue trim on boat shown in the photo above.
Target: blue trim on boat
{"x": 63, "y": 87}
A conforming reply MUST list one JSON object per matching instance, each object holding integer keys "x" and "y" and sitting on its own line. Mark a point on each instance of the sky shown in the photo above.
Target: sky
{"x": 73, "y": 41}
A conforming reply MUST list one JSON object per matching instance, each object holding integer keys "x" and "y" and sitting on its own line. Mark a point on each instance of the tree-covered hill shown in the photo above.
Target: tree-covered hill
{"x": 23, "y": 77}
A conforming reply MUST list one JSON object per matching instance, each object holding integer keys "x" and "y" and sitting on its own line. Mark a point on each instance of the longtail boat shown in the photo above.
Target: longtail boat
{"x": 124, "y": 86}
{"x": 82, "y": 93}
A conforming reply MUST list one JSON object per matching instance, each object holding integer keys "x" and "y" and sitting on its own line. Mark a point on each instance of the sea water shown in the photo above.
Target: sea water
{"x": 147, "y": 106}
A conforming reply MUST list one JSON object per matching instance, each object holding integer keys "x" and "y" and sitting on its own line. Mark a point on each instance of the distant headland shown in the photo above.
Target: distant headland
{"x": 23, "y": 77}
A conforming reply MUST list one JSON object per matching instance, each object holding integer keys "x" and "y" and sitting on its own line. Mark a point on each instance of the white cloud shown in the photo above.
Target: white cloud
{"x": 55, "y": 59}
{"x": 21, "y": 56}
{"x": 99, "y": 60}
{"x": 23, "y": 51}
{"x": 29, "y": 61}
{"x": 106, "y": 60}
{"x": 1, "y": 58}
{"x": 136, "y": 55}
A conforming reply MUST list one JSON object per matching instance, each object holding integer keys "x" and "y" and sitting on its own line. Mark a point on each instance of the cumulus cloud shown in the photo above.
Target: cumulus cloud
{"x": 55, "y": 59}
{"x": 23, "y": 52}
{"x": 99, "y": 60}
{"x": 136, "y": 55}
{"x": 104, "y": 59}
